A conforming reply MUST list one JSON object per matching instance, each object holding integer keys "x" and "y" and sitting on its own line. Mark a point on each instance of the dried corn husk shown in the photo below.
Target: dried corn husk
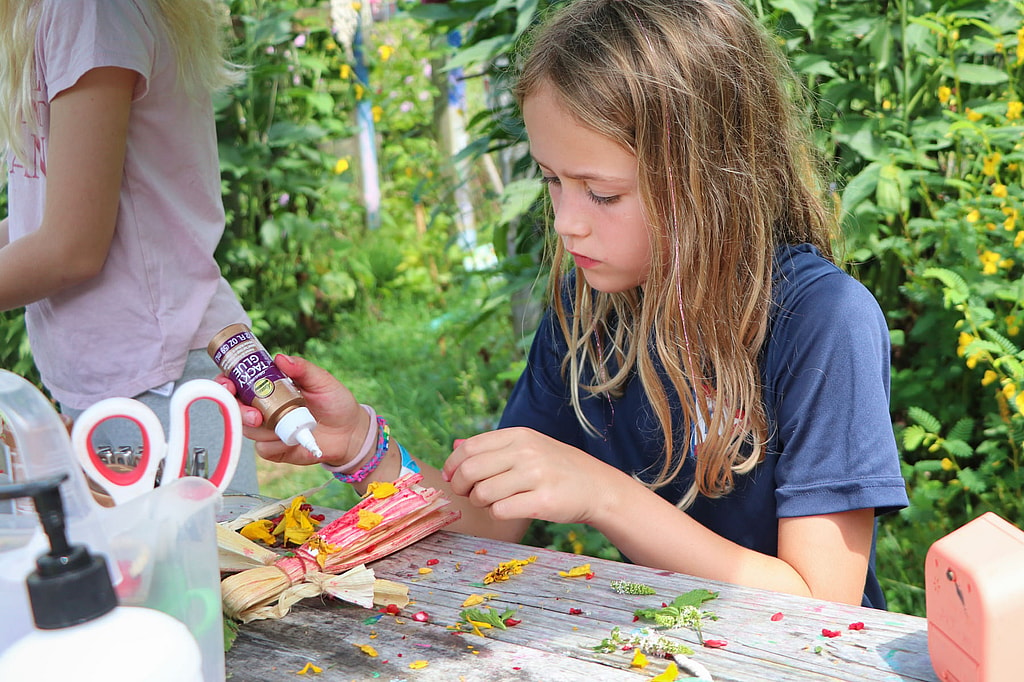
{"x": 237, "y": 553}
{"x": 412, "y": 513}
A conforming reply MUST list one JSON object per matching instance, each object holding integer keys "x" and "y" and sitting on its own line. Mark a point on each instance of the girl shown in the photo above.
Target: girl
{"x": 707, "y": 388}
{"x": 114, "y": 195}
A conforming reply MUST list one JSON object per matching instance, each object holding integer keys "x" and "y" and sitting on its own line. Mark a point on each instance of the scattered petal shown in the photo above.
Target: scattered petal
{"x": 715, "y": 643}
{"x": 830, "y": 633}
{"x": 259, "y": 531}
{"x": 857, "y": 626}
{"x": 420, "y": 617}
{"x": 433, "y": 562}
{"x": 380, "y": 490}
{"x": 418, "y": 665}
{"x": 777, "y": 616}
{"x": 425, "y": 570}
{"x": 368, "y": 519}
{"x": 575, "y": 612}
{"x": 480, "y": 551}
{"x": 367, "y": 649}
{"x": 473, "y": 600}
{"x": 511, "y": 622}
{"x": 670, "y": 674}
{"x": 639, "y": 660}
{"x": 576, "y": 572}
{"x": 309, "y": 668}
{"x": 393, "y": 609}
{"x": 507, "y": 569}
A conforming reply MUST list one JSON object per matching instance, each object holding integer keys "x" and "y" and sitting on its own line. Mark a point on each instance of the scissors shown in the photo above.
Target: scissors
{"x": 123, "y": 481}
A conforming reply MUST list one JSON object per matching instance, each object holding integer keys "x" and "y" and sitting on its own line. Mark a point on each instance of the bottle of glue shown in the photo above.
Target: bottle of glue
{"x": 260, "y": 384}
{"x": 81, "y": 633}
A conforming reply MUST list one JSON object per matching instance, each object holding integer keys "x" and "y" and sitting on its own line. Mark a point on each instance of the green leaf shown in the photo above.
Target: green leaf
{"x": 913, "y": 436}
{"x": 517, "y": 197}
{"x": 957, "y": 289}
{"x": 958, "y": 448}
{"x": 978, "y": 74}
{"x": 802, "y": 10}
{"x": 694, "y": 598}
{"x": 925, "y": 419}
{"x": 973, "y": 481}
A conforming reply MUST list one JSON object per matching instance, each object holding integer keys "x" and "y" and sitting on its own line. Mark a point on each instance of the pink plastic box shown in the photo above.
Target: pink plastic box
{"x": 974, "y": 592}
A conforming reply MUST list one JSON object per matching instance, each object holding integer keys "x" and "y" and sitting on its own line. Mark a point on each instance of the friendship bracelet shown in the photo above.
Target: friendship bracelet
{"x": 383, "y": 440}
{"x": 364, "y": 451}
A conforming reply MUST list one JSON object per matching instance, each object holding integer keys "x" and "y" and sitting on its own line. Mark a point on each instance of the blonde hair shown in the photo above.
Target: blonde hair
{"x": 196, "y": 29}
{"x": 703, "y": 98}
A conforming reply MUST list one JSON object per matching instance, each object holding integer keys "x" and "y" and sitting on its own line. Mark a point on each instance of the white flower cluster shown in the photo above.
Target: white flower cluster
{"x": 344, "y": 22}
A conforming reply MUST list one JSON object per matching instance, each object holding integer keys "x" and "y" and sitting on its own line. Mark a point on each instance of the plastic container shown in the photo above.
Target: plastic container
{"x": 81, "y": 631}
{"x": 260, "y": 384}
{"x": 161, "y": 548}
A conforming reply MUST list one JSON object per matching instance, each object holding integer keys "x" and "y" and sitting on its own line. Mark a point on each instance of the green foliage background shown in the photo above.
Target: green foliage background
{"x": 919, "y": 105}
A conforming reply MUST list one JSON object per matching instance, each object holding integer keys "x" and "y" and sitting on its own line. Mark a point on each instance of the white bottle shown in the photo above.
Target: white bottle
{"x": 81, "y": 633}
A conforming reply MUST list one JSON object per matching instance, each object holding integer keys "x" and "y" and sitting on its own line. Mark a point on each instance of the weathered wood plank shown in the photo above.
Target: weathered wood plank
{"x": 553, "y": 643}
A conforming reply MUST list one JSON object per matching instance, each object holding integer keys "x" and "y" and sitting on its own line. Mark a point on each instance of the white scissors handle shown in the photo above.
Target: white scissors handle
{"x": 177, "y": 446}
{"x": 130, "y": 483}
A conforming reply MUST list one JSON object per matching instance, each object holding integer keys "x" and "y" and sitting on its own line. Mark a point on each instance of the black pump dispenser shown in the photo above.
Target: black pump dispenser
{"x": 69, "y": 586}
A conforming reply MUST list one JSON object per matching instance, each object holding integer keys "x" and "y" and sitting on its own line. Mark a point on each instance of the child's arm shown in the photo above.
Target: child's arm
{"x": 84, "y": 167}
{"x": 517, "y": 472}
{"x": 5, "y": 235}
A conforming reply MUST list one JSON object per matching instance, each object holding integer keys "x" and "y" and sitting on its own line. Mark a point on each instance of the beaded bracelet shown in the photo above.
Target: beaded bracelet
{"x": 383, "y": 440}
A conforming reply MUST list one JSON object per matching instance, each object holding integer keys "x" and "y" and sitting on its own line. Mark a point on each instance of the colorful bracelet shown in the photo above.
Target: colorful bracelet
{"x": 383, "y": 440}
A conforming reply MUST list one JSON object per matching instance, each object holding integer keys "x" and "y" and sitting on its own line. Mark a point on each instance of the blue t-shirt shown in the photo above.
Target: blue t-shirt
{"x": 825, "y": 372}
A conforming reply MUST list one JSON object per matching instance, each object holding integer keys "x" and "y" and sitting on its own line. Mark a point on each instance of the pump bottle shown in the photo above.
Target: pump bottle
{"x": 82, "y": 634}
{"x": 260, "y": 384}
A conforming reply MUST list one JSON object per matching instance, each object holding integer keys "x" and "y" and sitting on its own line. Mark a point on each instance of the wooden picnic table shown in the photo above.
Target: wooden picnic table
{"x": 562, "y": 621}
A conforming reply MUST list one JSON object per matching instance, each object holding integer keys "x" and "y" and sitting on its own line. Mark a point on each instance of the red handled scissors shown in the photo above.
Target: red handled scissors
{"x": 126, "y": 476}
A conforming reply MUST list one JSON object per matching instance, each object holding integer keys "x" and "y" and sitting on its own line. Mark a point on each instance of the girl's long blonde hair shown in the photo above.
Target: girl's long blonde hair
{"x": 196, "y": 29}
{"x": 701, "y": 95}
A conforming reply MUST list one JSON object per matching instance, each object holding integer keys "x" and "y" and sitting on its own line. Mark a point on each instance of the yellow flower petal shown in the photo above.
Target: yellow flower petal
{"x": 472, "y": 600}
{"x": 576, "y": 571}
{"x": 381, "y": 489}
{"x": 425, "y": 570}
{"x": 368, "y": 519}
{"x": 368, "y": 650}
{"x": 345, "y": 72}
{"x": 385, "y": 52}
{"x": 639, "y": 660}
{"x": 418, "y": 665}
{"x": 309, "y": 668}
{"x": 259, "y": 531}
{"x": 670, "y": 674}
{"x": 341, "y": 166}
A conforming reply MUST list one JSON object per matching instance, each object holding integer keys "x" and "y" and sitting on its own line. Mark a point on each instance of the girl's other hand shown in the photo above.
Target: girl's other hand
{"x": 518, "y": 473}
{"x": 341, "y": 423}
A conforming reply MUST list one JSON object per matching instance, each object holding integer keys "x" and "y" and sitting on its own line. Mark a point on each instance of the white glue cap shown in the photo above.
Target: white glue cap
{"x": 296, "y": 427}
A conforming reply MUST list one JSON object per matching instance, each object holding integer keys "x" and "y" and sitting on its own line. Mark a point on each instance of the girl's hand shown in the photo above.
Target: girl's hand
{"x": 518, "y": 473}
{"x": 341, "y": 423}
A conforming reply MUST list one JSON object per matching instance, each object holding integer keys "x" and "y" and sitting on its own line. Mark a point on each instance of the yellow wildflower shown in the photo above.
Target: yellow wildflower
{"x": 999, "y": 47}
{"x": 1018, "y": 240}
{"x": 989, "y": 377}
{"x": 340, "y": 166}
{"x": 296, "y": 524}
{"x": 259, "y": 531}
{"x": 947, "y": 464}
{"x": 999, "y": 190}
{"x": 886, "y": 105}
{"x": 368, "y": 520}
{"x": 385, "y": 52}
{"x": 639, "y": 660}
{"x": 670, "y": 674}
{"x": 507, "y": 569}
{"x": 991, "y": 163}
{"x": 989, "y": 262}
{"x": 944, "y": 94}
{"x": 345, "y": 72}
{"x": 320, "y": 548}
{"x": 576, "y": 572}
{"x": 963, "y": 341}
{"x": 1009, "y": 390}
{"x": 419, "y": 665}
{"x": 377, "y": 112}
{"x": 972, "y": 115}
{"x": 1020, "y": 45}
{"x": 367, "y": 649}
{"x": 381, "y": 490}
{"x": 974, "y": 216}
{"x": 309, "y": 668}
{"x": 1012, "y": 325}
{"x": 359, "y": 91}
{"x": 1019, "y": 402}
{"x": 1006, "y": 263}
{"x": 1013, "y": 109}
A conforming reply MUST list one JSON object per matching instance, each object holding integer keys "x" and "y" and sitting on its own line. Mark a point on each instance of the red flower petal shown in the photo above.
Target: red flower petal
{"x": 830, "y": 633}
{"x": 715, "y": 643}
{"x": 512, "y": 621}
{"x": 575, "y": 612}
{"x": 777, "y": 616}
{"x": 857, "y": 626}
{"x": 420, "y": 617}
{"x": 392, "y": 609}
{"x": 433, "y": 562}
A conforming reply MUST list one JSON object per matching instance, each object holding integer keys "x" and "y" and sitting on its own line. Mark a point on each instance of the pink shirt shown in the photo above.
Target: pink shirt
{"x": 160, "y": 293}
